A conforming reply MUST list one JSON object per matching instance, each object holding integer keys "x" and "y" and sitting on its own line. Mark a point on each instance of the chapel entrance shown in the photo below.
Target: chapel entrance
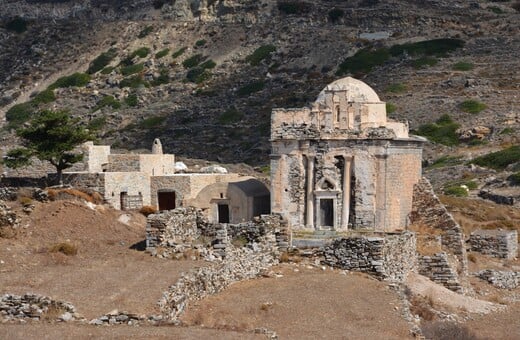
{"x": 166, "y": 200}
{"x": 326, "y": 216}
{"x": 223, "y": 213}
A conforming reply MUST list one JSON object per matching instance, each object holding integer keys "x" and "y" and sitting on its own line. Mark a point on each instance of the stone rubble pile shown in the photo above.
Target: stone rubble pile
{"x": 116, "y": 317}
{"x": 239, "y": 264}
{"x": 500, "y": 279}
{"x": 34, "y": 307}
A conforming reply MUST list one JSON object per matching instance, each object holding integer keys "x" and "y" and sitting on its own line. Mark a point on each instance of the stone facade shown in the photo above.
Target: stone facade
{"x": 341, "y": 164}
{"x": 496, "y": 243}
{"x": 388, "y": 256}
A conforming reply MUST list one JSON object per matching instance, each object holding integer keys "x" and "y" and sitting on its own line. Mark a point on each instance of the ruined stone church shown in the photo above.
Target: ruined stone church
{"x": 340, "y": 164}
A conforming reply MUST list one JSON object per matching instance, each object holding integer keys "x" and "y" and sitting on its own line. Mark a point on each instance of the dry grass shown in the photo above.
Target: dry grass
{"x": 424, "y": 229}
{"x": 428, "y": 246}
{"x": 58, "y": 194}
{"x": 65, "y": 248}
{"x": 292, "y": 255}
{"x": 147, "y": 210}
{"x": 52, "y": 314}
{"x": 25, "y": 201}
{"x": 472, "y": 258}
{"x": 447, "y": 330}
{"x": 7, "y": 232}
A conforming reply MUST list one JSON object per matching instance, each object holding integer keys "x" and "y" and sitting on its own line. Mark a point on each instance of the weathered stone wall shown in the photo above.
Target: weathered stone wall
{"x": 133, "y": 183}
{"x": 94, "y": 182}
{"x": 33, "y": 306}
{"x": 498, "y": 198}
{"x": 501, "y": 279}
{"x": 239, "y": 264}
{"x": 427, "y": 210}
{"x": 388, "y": 257}
{"x": 123, "y": 163}
{"x": 496, "y": 243}
{"x": 438, "y": 269}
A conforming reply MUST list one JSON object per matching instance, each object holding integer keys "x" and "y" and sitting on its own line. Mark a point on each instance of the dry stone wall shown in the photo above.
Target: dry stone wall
{"x": 501, "y": 279}
{"x": 496, "y": 243}
{"x": 388, "y": 257}
{"x": 34, "y": 307}
{"x": 438, "y": 269}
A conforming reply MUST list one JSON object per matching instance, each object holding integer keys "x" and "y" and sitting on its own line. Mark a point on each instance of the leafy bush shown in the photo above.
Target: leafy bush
{"x": 193, "y": 61}
{"x": 75, "y": 79}
{"x": 179, "y": 52}
{"x": 162, "y": 53}
{"x": 44, "y": 97}
{"x": 101, "y": 61}
{"x": 200, "y": 74}
{"x": 107, "y": 101}
{"x": 163, "y": 78}
{"x": 107, "y": 70}
{"x": 200, "y": 43}
{"x": 260, "y": 54}
{"x": 17, "y": 24}
{"x": 396, "y": 88}
{"x": 514, "y": 179}
{"x": 19, "y": 114}
{"x": 456, "y": 190}
{"x": 496, "y": 10}
{"x": 472, "y": 106}
{"x": 437, "y": 47}
{"x": 97, "y": 123}
{"x": 131, "y": 100}
{"x": 363, "y": 61}
{"x": 231, "y": 115}
{"x": 293, "y": 7}
{"x": 442, "y": 131}
{"x": 463, "y": 66}
{"x": 507, "y": 131}
{"x": 133, "y": 82}
{"x": 251, "y": 88}
{"x": 335, "y": 14}
{"x": 445, "y": 161}
{"x": 145, "y": 31}
{"x": 65, "y": 248}
{"x": 132, "y": 69}
{"x": 390, "y": 108}
{"x": 152, "y": 122}
{"x": 424, "y": 61}
{"x": 499, "y": 160}
{"x": 140, "y": 52}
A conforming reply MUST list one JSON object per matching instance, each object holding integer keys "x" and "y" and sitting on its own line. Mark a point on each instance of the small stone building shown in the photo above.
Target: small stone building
{"x": 341, "y": 164}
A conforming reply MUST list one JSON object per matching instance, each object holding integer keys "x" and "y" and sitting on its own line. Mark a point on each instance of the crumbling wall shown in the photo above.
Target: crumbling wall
{"x": 501, "y": 279}
{"x": 33, "y": 306}
{"x": 428, "y": 210}
{"x": 387, "y": 257}
{"x": 496, "y": 243}
{"x": 438, "y": 269}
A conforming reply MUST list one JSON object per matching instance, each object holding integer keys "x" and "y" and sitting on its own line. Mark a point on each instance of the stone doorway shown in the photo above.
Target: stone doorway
{"x": 223, "y": 213}
{"x": 166, "y": 200}
{"x": 326, "y": 213}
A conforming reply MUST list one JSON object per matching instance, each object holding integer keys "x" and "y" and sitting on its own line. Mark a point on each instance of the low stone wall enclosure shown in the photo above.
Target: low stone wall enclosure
{"x": 496, "y": 243}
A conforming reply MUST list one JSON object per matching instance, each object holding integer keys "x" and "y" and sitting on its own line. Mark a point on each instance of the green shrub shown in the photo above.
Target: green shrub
{"x": 472, "y": 106}
{"x": 140, "y": 52}
{"x": 363, "y": 61}
{"x": 507, "y": 131}
{"x": 44, "y": 97}
{"x": 231, "y": 115}
{"x": 445, "y": 161}
{"x": 164, "y": 78}
{"x": 251, "y": 88}
{"x": 179, "y": 52}
{"x": 335, "y": 14}
{"x": 145, "y": 31}
{"x": 133, "y": 82}
{"x": 496, "y": 10}
{"x": 396, "y": 88}
{"x": 19, "y": 114}
{"x": 131, "y": 100}
{"x": 200, "y": 43}
{"x": 455, "y": 190}
{"x": 209, "y": 64}
{"x": 132, "y": 69}
{"x": 463, "y": 66}
{"x": 97, "y": 123}
{"x": 437, "y": 47}
{"x": 75, "y": 79}
{"x": 101, "y": 61}
{"x": 17, "y": 24}
{"x": 442, "y": 131}
{"x": 424, "y": 62}
{"x": 162, "y": 53}
{"x": 107, "y": 101}
{"x": 293, "y": 7}
{"x": 198, "y": 75}
{"x": 260, "y": 54}
{"x": 390, "y": 108}
{"x": 152, "y": 122}
{"x": 193, "y": 61}
{"x": 499, "y": 160}
{"x": 107, "y": 70}
{"x": 514, "y": 179}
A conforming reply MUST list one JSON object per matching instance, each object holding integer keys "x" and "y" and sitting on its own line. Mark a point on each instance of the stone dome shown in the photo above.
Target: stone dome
{"x": 357, "y": 91}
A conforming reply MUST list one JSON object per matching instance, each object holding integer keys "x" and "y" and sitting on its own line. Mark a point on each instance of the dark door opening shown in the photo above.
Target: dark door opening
{"x": 123, "y": 200}
{"x": 166, "y": 200}
{"x": 327, "y": 212}
{"x": 223, "y": 213}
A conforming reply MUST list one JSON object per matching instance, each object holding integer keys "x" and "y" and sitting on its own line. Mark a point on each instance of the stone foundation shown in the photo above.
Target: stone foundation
{"x": 387, "y": 257}
{"x": 496, "y": 243}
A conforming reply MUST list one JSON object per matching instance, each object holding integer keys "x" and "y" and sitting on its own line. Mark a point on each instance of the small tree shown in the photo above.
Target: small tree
{"x": 51, "y": 136}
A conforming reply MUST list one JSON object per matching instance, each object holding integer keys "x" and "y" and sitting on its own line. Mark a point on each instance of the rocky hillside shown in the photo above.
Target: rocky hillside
{"x": 204, "y": 75}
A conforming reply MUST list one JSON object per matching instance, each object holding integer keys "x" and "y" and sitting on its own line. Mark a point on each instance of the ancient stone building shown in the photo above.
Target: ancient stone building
{"x": 341, "y": 164}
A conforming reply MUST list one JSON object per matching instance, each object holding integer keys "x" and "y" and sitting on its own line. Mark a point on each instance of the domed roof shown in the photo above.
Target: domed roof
{"x": 357, "y": 91}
